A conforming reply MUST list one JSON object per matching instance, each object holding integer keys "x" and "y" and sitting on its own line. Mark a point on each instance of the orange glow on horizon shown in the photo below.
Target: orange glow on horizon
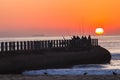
{"x": 58, "y": 17}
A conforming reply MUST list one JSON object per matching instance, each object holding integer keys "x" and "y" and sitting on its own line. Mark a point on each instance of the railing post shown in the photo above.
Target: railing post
{"x": 28, "y": 45}
{"x": 45, "y": 44}
{"x": 68, "y": 43}
{"x": 2, "y": 46}
{"x": 10, "y": 48}
{"x": 62, "y": 43}
{"x": 97, "y": 42}
{"x": 65, "y": 43}
{"x": 17, "y": 46}
{"x": 59, "y": 43}
{"x": 21, "y": 45}
{"x": 56, "y": 43}
{"x": 40, "y": 44}
{"x": 32, "y": 45}
{"x": 6, "y": 46}
{"x": 25, "y": 45}
{"x": 13, "y": 46}
{"x": 49, "y": 44}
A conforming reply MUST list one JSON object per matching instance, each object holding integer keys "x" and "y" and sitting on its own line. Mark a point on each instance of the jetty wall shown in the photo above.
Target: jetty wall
{"x": 45, "y": 44}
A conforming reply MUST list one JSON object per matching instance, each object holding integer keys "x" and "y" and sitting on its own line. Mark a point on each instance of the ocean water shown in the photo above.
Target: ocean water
{"x": 111, "y": 43}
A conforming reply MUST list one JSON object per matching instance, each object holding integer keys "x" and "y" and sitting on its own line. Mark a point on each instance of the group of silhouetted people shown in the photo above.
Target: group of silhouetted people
{"x": 81, "y": 42}
{"x": 82, "y": 38}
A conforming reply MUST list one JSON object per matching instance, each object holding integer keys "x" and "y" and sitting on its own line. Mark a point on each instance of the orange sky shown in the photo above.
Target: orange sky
{"x": 58, "y": 17}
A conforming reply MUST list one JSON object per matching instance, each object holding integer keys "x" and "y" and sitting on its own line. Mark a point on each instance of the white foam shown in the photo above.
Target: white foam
{"x": 92, "y": 69}
{"x": 72, "y": 72}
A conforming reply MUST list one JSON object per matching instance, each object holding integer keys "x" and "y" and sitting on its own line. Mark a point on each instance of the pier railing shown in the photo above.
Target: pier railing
{"x": 43, "y": 44}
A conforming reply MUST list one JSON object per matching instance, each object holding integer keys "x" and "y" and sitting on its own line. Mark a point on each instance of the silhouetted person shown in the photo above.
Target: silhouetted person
{"x": 82, "y": 37}
{"x": 89, "y": 37}
{"x": 114, "y": 73}
{"x": 73, "y": 38}
{"x": 77, "y": 37}
{"x": 89, "y": 40}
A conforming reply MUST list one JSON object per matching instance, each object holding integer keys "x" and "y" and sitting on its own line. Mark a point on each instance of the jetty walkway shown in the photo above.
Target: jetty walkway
{"x": 74, "y": 43}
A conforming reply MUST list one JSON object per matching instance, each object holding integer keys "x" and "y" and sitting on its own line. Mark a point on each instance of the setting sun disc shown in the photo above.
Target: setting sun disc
{"x": 99, "y": 31}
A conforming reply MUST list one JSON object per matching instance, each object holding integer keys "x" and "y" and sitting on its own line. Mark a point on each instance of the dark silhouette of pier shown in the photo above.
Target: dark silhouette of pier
{"x": 19, "y": 56}
{"x": 76, "y": 43}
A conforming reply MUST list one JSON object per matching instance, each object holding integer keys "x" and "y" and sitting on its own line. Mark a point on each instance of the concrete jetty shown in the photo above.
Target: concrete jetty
{"x": 16, "y": 57}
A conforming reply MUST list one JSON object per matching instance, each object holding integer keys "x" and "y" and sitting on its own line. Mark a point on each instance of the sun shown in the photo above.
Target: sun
{"x": 99, "y": 31}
